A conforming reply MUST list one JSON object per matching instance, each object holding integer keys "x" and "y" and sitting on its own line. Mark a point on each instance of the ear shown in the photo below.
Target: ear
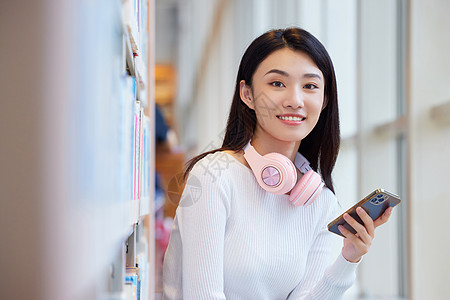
{"x": 325, "y": 103}
{"x": 246, "y": 94}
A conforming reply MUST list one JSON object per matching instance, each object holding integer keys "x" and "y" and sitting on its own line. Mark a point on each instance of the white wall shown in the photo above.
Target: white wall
{"x": 196, "y": 18}
{"x": 378, "y": 165}
{"x": 430, "y": 147}
{"x": 21, "y": 180}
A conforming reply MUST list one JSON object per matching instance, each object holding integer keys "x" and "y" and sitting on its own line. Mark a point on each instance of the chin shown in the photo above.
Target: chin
{"x": 295, "y": 136}
{"x": 291, "y": 138}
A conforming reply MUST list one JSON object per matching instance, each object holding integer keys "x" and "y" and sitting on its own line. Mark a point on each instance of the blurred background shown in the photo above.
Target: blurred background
{"x": 65, "y": 230}
{"x": 393, "y": 74}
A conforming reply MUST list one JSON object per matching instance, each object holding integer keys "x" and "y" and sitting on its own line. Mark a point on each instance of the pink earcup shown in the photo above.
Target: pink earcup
{"x": 277, "y": 174}
{"x": 278, "y": 182}
{"x": 307, "y": 189}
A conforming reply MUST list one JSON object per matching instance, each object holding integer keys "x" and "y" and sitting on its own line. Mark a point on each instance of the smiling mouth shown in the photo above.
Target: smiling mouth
{"x": 291, "y": 118}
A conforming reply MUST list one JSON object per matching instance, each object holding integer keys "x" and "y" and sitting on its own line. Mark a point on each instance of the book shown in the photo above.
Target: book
{"x": 132, "y": 286}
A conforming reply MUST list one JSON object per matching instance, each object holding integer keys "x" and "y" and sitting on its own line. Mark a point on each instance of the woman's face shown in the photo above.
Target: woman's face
{"x": 287, "y": 95}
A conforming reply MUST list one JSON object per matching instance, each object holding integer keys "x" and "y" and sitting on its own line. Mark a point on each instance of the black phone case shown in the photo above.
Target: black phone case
{"x": 374, "y": 204}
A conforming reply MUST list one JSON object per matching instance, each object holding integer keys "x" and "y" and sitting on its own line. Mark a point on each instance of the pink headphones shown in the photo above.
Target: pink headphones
{"x": 277, "y": 174}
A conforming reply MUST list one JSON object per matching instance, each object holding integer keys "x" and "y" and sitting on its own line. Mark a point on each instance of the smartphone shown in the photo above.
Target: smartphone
{"x": 374, "y": 204}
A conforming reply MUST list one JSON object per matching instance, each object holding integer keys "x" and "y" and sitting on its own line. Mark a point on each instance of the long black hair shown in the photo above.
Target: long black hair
{"x": 321, "y": 145}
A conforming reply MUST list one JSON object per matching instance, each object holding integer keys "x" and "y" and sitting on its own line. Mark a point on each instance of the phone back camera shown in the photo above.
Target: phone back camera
{"x": 378, "y": 199}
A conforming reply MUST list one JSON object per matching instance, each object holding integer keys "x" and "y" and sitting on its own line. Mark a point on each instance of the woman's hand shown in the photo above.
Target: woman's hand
{"x": 356, "y": 245}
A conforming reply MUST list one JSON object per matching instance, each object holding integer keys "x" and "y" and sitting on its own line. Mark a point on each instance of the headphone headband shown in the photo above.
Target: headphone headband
{"x": 300, "y": 161}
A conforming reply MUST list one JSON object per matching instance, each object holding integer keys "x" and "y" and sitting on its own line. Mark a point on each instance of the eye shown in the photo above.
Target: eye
{"x": 310, "y": 86}
{"x": 277, "y": 84}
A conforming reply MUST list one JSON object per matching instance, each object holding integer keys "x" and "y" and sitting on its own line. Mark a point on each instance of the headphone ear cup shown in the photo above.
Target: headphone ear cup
{"x": 288, "y": 174}
{"x": 307, "y": 189}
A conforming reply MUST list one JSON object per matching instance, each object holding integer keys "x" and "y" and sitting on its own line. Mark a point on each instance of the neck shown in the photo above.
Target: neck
{"x": 264, "y": 144}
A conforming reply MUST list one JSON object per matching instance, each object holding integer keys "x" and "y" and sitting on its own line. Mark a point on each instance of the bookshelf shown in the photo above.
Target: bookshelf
{"x": 131, "y": 274}
{"x": 77, "y": 217}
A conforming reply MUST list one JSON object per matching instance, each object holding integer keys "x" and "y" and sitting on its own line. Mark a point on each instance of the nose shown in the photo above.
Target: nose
{"x": 295, "y": 98}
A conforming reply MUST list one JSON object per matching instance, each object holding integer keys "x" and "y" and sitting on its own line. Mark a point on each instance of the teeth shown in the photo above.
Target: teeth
{"x": 290, "y": 118}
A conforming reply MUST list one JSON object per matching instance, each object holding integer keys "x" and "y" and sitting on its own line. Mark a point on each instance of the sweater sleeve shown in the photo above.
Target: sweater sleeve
{"x": 198, "y": 237}
{"x": 324, "y": 279}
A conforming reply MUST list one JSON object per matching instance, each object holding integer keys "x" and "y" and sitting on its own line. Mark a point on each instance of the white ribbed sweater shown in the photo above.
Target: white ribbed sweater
{"x": 233, "y": 240}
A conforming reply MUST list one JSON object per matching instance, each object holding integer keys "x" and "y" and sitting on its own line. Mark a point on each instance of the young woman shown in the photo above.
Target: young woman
{"x": 252, "y": 221}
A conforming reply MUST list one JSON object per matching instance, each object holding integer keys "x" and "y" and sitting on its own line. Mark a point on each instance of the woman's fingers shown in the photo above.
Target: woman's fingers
{"x": 368, "y": 222}
{"x": 352, "y": 237}
{"x": 358, "y": 244}
{"x": 355, "y": 248}
{"x": 384, "y": 217}
{"x": 359, "y": 228}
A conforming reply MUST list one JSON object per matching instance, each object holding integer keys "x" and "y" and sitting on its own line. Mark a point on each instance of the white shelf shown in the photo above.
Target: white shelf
{"x": 392, "y": 128}
{"x": 122, "y": 214}
{"x": 129, "y": 54}
{"x": 134, "y": 53}
{"x": 144, "y": 206}
{"x": 130, "y": 25}
{"x": 125, "y": 215}
{"x": 441, "y": 113}
{"x": 137, "y": 69}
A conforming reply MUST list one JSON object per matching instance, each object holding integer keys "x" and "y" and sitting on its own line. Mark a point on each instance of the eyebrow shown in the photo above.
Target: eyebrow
{"x": 286, "y": 74}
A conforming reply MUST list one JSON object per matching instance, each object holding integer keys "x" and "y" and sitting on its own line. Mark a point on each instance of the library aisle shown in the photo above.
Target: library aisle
{"x": 78, "y": 150}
